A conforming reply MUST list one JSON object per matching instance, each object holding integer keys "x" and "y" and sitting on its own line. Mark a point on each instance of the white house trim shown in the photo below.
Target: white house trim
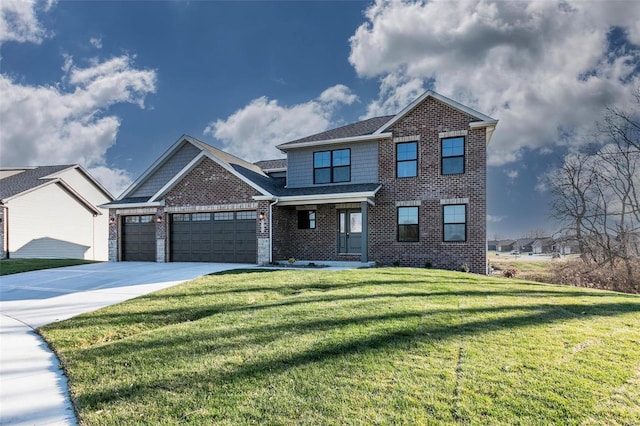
{"x": 334, "y": 198}
{"x": 133, "y": 205}
{"x": 275, "y": 170}
{"x": 363, "y": 138}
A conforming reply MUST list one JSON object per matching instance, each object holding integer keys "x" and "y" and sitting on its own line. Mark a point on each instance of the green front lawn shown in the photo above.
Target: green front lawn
{"x": 15, "y": 266}
{"x": 374, "y": 346}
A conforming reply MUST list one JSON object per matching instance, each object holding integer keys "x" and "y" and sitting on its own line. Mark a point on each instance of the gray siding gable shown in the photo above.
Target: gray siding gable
{"x": 167, "y": 171}
{"x": 364, "y": 164}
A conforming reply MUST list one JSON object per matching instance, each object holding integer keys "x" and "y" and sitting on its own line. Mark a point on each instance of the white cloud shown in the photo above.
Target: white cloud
{"x": 396, "y": 93}
{"x": 48, "y": 125}
{"x": 18, "y": 21}
{"x": 546, "y": 69}
{"x": 96, "y": 42}
{"x": 338, "y": 94}
{"x": 512, "y": 174}
{"x": 114, "y": 180}
{"x": 253, "y": 131}
{"x": 495, "y": 219}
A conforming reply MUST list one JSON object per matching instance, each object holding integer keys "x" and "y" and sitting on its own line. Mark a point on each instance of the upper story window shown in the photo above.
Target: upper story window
{"x": 406, "y": 159}
{"x": 332, "y": 166}
{"x": 408, "y": 224}
{"x": 453, "y": 155}
{"x": 454, "y": 223}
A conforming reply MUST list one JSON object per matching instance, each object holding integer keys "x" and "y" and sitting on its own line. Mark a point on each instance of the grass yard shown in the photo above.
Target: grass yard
{"x": 15, "y": 266}
{"x": 373, "y": 346}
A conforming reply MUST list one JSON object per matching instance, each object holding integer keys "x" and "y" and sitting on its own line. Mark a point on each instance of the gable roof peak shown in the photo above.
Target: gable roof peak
{"x": 482, "y": 119}
{"x": 31, "y": 177}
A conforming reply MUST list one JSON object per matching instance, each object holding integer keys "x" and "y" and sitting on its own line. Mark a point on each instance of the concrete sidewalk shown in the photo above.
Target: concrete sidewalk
{"x": 33, "y": 388}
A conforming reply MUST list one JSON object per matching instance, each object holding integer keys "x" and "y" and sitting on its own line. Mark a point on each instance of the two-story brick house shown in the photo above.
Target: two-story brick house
{"x": 407, "y": 188}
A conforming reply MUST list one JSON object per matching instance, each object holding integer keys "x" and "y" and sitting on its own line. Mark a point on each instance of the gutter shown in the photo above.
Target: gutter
{"x": 363, "y": 138}
{"x": 132, "y": 205}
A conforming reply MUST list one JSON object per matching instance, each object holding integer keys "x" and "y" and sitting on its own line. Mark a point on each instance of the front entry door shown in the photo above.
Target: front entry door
{"x": 350, "y": 231}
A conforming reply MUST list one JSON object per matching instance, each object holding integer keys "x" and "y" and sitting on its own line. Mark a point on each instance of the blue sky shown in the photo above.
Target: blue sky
{"x": 111, "y": 85}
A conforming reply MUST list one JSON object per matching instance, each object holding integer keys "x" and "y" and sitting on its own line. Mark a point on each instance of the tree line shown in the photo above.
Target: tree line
{"x": 596, "y": 195}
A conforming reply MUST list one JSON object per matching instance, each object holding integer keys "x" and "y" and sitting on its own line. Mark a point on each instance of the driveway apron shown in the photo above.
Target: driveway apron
{"x": 33, "y": 388}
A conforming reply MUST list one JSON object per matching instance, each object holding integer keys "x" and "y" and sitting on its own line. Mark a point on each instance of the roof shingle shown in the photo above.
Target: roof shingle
{"x": 361, "y": 128}
{"x": 29, "y": 179}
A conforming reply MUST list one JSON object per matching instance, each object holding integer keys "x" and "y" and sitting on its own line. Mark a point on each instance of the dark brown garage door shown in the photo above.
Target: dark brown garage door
{"x": 139, "y": 238}
{"x": 214, "y": 237}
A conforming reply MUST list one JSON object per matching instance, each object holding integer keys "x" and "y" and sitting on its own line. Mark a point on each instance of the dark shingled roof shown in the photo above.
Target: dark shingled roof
{"x": 130, "y": 200}
{"x": 280, "y": 163}
{"x": 361, "y": 128}
{"x": 29, "y": 179}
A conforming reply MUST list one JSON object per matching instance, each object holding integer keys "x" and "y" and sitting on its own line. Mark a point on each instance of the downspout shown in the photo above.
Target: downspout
{"x": 5, "y": 220}
{"x": 271, "y": 230}
{"x": 93, "y": 238}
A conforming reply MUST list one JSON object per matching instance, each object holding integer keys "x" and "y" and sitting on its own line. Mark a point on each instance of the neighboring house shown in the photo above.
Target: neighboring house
{"x": 409, "y": 188}
{"x": 506, "y": 245}
{"x": 566, "y": 245}
{"x": 492, "y": 245}
{"x": 543, "y": 245}
{"x": 52, "y": 212}
{"x": 524, "y": 245}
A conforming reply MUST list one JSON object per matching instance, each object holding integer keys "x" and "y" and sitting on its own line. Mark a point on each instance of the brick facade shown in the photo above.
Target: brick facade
{"x": 209, "y": 183}
{"x": 320, "y": 243}
{"x": 207, "y": 188}
{"x": 429, "y": 190}
{"x": 426, "y": 122}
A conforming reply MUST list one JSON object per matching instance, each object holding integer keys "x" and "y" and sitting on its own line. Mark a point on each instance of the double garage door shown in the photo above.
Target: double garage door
{"x": 214, "y": 237}
{"x": 194, "y": 237}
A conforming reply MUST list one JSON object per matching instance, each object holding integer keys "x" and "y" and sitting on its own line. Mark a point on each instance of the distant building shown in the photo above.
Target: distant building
{"x": 543, "y": 245}
{"x": 52, "y": 212}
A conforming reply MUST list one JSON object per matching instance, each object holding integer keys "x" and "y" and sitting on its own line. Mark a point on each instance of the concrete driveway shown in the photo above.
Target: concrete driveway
{"x": 33, "y": 390}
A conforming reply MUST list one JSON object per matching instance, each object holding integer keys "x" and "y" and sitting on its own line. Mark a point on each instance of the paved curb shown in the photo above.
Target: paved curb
{"x": 34, "y": 388}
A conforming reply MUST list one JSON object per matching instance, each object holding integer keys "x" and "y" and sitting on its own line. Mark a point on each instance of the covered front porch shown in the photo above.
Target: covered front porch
{"x": 326, "y": 227}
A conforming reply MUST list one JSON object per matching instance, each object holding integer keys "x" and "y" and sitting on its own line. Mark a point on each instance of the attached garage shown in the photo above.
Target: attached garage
{"x": 214, "y": 237}
{"x": 139, "y": 238}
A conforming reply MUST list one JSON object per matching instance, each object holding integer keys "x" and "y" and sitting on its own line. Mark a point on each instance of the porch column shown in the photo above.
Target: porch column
{"x": 364, "y": 208}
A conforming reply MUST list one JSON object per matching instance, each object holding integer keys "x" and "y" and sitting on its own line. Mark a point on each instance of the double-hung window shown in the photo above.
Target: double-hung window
{"x": 408, "y": 224}
{"x": 454, "y": 223}
{"x": 332, "y": 166}
{"x": 453, "y": 156}
{"x": 406, "y": 159}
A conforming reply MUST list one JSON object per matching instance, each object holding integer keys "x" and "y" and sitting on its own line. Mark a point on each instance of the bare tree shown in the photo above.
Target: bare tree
{"x": 596, "y": 195}
{"x": 570, "y": 187}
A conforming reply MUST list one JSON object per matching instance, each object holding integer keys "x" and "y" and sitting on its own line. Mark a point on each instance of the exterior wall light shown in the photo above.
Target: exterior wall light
{"x": 261, "y": 216}
{"x": 112, "y": 220}
{"x": 159, "y": 218}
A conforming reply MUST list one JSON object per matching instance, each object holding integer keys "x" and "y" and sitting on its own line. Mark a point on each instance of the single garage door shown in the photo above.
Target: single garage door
{"x": 139, "y": 238}
{"x": 214, "y": 237}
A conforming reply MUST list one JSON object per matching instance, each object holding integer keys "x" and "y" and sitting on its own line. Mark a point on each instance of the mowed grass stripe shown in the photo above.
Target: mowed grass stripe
{"x": 373, "y": 346}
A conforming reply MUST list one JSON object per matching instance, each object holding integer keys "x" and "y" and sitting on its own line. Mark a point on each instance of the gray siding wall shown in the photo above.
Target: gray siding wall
{"x": 167, "y": 171}
{"x": 364, "y": 164}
